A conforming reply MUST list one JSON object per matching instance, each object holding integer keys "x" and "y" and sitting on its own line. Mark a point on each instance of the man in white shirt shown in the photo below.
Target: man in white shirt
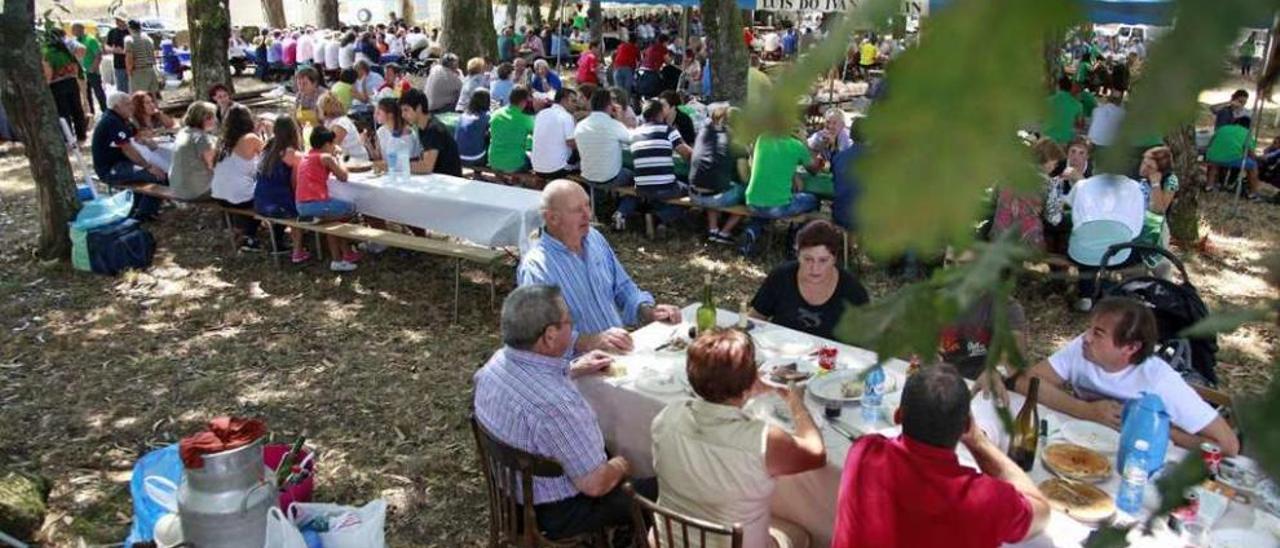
{"x": 306, "y": 47}
{"x": 553, "y": 142}
{"x": 1106, "y": 121}
{"x": 600, "y": 138}
{"x": 331, "y": 53}
{"x": 1112, "y": 363}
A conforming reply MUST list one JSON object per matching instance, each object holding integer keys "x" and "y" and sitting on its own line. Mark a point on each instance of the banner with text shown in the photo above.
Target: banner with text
{"x": 806, "y": 5}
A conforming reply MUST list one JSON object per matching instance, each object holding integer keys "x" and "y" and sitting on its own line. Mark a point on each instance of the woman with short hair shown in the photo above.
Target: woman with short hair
{"x": 192, "y": 171}
{"x": 810, "y": 293}
{"x": 717, "y": 463}
{"x": 477, "y": 78}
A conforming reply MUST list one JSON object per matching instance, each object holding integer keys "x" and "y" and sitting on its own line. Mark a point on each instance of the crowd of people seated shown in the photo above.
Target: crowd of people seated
{"x": 713, "y": 461}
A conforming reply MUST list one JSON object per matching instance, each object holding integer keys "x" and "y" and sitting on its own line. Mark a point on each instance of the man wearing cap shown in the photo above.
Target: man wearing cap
{"x": 115, "y": 45}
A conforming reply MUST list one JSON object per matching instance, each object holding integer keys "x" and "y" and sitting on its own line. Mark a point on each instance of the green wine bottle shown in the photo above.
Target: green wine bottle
{"x": 707, "y": 311}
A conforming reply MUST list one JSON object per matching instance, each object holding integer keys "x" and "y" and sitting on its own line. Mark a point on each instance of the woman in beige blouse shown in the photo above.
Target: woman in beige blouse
{"x": 719, "y": 464}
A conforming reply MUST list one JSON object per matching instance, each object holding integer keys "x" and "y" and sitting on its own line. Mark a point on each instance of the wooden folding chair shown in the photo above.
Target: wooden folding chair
{"x": 690, "y": 530}
{"x": 508, "y": 474}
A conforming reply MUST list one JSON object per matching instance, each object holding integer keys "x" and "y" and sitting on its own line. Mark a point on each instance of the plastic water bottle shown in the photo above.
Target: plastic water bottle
{"x": 1133, "y": 480}
{"x": 872, "y": 396}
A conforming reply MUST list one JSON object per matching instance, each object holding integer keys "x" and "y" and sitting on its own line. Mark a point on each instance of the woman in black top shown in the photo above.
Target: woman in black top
{"x": 812, "y": 293}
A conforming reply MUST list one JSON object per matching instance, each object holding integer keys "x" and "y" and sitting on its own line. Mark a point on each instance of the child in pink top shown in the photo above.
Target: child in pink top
{"x": 312, "y": 195}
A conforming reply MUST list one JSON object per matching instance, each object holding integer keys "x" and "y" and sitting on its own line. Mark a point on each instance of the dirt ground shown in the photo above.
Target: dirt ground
{"x": 96, "y": 370}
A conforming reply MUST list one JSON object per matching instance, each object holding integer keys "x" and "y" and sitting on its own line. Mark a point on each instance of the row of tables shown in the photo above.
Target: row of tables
{"x": 626, "y": 406}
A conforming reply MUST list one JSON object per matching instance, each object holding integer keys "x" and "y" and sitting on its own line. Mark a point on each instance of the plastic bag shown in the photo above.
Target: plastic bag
{"x": 282, "y": 533}
{"x": 104, "y": 211}
{"x": 152, "y": 475}
{"x": 349, "y": 527}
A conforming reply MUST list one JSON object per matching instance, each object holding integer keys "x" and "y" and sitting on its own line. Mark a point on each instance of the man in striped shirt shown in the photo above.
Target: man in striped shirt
{"x": 525, "y": 396}
{"x": 571, "y": 255}
{"x": 652, "y": 147}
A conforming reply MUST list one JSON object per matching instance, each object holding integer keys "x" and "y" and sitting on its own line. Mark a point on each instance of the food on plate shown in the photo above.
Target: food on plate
{"x": 615, "y": 370}
{"x": 1076, "y": 462}
{"x": 852, "y": 388}
{"x": 1083, "y": 502}
{"x": 788, "y": 373}
{"x": 1225, "y": 490}
{"x": 358, "y": 166}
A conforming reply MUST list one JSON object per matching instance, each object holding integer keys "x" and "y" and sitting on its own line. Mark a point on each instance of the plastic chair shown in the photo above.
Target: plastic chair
{"x": 508, "y": 474}
{"x": 688, "y": 527}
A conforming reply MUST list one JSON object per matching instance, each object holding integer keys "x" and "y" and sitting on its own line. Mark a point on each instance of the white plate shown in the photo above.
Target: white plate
{"x": 829, "y": 386}
{"x": 1239, "y": 473}
{"x": 1092, "y": 435}
{"x": 802, "y": 365}
{"x": 660, "y": 384}
{"x": 1241, "y": 538}
{"x": 785, "y": 344}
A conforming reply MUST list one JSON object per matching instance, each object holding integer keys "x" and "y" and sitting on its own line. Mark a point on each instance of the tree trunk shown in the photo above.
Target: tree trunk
{"x": 468, "y": 29}
{"x": 210, "y": 24}
{"x": 407, "y": 12}
{"x": 536, "y": 7}
{"x": 596, "y": 16}
{"x": 722, "y": 23}
{"x": 328, "y": 15}
{"x": 1184, "y": 216}
{"x": 553, "y": 17}
{"x": 274, "y": 10}
{"x": 513, "y": 10}
{"x": 29, "y": 104}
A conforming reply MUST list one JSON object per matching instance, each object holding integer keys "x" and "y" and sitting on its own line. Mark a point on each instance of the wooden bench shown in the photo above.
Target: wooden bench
{"x": 434, "y": 246}
{"x": 687, "y": 202}
{"x": 490, "y": 175}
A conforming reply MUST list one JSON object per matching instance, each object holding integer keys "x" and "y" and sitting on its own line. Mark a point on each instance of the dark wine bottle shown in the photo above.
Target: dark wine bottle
{"x": 1025, "y": 437}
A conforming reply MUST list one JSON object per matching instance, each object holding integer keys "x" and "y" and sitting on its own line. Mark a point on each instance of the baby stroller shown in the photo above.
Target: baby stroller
{"x": 1176, "y": 306}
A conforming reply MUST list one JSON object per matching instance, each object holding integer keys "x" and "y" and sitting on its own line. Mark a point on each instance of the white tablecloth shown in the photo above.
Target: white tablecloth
{"x": 482, "y": 213}
{"x": 625, "y": 412}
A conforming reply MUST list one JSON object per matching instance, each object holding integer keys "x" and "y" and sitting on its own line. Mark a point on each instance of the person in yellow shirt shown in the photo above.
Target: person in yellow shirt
{"x": 868, "y": 56}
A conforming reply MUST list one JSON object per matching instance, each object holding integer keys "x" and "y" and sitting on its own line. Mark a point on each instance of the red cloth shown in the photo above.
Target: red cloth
{"x": 748, "y": 37}
{"x": 654, "y": 56}
{"x": 626, "y": 56}
{"x": 224, "y": 434}
{"x": 899, "y": 492}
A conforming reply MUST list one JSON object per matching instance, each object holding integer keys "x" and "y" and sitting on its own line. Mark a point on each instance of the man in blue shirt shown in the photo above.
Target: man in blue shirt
{"x": 571, "y": 255}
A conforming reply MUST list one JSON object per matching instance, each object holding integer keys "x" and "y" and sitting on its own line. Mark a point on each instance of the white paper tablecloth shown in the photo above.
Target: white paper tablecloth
{"x": 625, "y": 412}
{"x": 482, "y": 213}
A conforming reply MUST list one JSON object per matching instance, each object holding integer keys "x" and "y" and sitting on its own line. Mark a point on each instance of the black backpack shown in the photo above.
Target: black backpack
{"x": 118, "y": 247}
{"x": 1176, "y": 306}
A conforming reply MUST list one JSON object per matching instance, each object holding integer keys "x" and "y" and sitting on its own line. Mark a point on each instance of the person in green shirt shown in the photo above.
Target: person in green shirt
{"x": 1088, "y": 101}
{"x": 91, "y": 61}
{"x": 774, "y": 189}
{"x": 1247, "y": 50}
{"x": 1232, "y": 147}
{"x": 1066, "y": 114}
{"x": 343, "y": 88}
{"x": 510, "y": 130}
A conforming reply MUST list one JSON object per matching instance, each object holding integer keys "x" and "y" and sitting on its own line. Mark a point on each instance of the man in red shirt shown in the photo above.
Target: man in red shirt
{"x": 589, "y": 64}
{"x": 655, "y": 55}
{"x": 748, "y": 37}
{"x": 625, "y": 59}
{"x": 912, "y": 490}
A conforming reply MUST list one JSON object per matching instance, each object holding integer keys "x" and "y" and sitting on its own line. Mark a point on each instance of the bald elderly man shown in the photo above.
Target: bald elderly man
{"x": 576, "y": 258}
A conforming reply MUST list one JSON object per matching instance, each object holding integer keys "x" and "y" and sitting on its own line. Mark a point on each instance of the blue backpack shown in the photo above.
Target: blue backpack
{"x": 114, "y": 248}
